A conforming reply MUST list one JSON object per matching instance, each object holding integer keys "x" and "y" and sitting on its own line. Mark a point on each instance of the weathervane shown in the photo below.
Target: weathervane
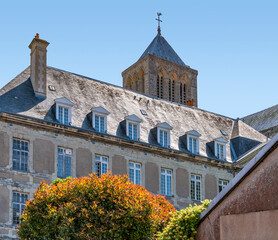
{"x": 158, "y": 20}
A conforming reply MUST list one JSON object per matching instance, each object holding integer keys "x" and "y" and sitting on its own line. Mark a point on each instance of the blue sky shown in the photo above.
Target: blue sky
{"x": 233, "y": 44}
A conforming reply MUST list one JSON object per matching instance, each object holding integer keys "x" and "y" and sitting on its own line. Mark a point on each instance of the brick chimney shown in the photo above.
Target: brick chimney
{"x": 38, "y": 66}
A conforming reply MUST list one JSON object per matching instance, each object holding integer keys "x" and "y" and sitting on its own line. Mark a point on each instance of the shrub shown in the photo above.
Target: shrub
{"x": 184, "y": 223}
{"x": 109, "y": 207}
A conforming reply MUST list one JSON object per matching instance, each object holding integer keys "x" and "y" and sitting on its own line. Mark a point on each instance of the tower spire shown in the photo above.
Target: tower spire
{"x": 158, "y": 21}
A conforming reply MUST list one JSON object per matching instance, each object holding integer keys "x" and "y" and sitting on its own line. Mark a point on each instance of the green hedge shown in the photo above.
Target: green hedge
{"x": 183, "y": 224}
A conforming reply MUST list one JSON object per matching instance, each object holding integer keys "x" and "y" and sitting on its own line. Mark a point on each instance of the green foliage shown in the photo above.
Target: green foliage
{"x": 59, "y": 180}
{"x": 109, "y": 207}
{"x": 184, "y": 223}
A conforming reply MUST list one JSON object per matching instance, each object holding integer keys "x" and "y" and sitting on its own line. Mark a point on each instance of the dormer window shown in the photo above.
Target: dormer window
{"x": 63, "y": 110}
{"x": 133, "y": 127}
{"x": 100, "y": 119}
{"x": 163, "y": 134}
{"x": 220, "y": 148}
{"x": 193, "y": 141}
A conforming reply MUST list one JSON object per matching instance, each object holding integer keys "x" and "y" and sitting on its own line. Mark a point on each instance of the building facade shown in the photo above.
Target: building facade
{"x": 54, "y": 123}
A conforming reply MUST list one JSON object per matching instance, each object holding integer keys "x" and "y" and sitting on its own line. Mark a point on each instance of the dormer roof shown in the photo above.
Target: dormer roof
{"x": 194, "y": 133}
{"x": 64, "y": 100}
{"x": 164, "y": 125}
{"x": 221, "y": 139}
{"x": 100, "y": 110}
{"x": 161, "y": 48}
{"x": 133, "y": 118}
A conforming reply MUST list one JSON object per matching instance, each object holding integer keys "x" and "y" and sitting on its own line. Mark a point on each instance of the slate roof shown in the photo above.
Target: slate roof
{"x": 161, "y": 48}
{"x": 86, "y": 93}
{"x": 264, "y": 119}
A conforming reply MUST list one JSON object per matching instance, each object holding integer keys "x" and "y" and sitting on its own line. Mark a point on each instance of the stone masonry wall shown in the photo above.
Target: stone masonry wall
{"x": 42, "y": 165}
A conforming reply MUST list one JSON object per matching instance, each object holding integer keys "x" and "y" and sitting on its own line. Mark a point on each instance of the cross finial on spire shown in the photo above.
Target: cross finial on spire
{"x": 158, "y": 20}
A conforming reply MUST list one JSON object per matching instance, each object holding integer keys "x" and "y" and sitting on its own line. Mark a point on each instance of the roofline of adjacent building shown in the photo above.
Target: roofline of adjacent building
{"x": 256, "y": 113}
{"x": 243, "y": 174}
{"x": 92, "y": 136}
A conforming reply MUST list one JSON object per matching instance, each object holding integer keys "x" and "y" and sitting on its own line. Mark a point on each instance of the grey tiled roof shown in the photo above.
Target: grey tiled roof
{"x": 86, "y": 93}
{"x": 264, "y": 119}
{"x": 161, "y": 48}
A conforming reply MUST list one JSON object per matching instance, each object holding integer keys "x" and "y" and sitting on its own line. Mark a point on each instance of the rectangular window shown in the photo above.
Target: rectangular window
{"x": 196, "y": 187}
{"x": 101, "y": 165}
{"x": 135, "y": 173}
{"x": 193, "y": 145}
{"x": 222, "y": 184}
{"x": 163, "y": 138}
{"x": 99, "y": 123}
{"x": 133, "y": 131}
{"x": 19, "y": 201}
{"x": 63, "y": 115}
{"x": 220, "y": 151}
{"x": 166, "y": 182}
{"x": 64, "y": 162}
{"x": 20, "y": 155}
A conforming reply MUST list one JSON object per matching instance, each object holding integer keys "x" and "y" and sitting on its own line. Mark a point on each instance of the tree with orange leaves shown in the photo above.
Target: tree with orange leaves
{"x": 106, "y": 207}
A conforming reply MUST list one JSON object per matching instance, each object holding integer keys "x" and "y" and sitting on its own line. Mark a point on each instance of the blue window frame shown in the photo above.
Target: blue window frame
{"x": 20, "y": 155}
{"x": 166, "y": 182}
{"x": 64, "y": 162}
{"x": 101, "y": 164}
{"x": 163, "y": 138}
{"x": 63, "y": 115}
{"x": 135, "y": 173}
{"x": 19, "y": 202}
{"x": 193, "y": 145}
{"x": 133, "y": 131}
{"x": 100, "y": 123}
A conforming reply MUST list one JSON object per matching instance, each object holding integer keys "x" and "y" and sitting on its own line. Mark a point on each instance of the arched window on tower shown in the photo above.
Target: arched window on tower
{"x": 184, "y": 82}
{"x": 184, "y": 94}
{"x": 181, "y": 93}
{"x": 159, "y": 84}
{"x": 172, "y": 80}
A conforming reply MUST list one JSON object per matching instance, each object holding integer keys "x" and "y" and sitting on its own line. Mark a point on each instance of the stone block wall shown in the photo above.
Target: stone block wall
{"x": 42, "y": 165}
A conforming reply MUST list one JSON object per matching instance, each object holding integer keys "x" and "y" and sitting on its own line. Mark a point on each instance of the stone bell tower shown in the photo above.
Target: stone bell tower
{"x": 161, "y": 73}
{"x": 38, "y": 66}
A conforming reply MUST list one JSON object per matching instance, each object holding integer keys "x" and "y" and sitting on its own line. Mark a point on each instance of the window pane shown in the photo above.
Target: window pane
{"x": 66, "y": 116}
{"x": 138, "y": 177}
{"x": 97, "y": 123}
{"x": 169, "y": 187}
{"x": 60, "y": 115}
{"x": 131, "y": 173}
{"x": 135, "y": 130}
{"x": 130, "y": 130}
{"x": 102, "y": 124}
{"x": 161, "y": 137}
{"x": 165, "y": 139}
{"x": 162, "y": 184}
